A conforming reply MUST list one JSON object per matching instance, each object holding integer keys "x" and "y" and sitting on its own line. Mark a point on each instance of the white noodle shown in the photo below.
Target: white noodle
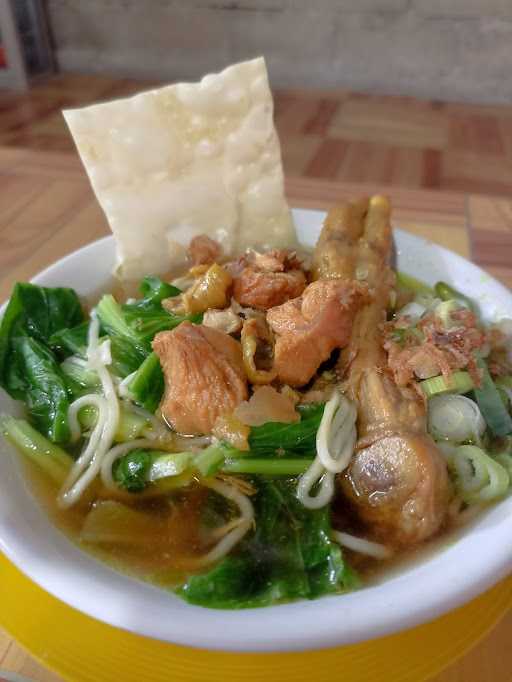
{"x": 336, "y": 432}
{"x": 224, "y": 546}
{"x": 316, "y": 473}
{"x": 64, "y": 498}
{"x": 91, "y": 399}
{"x": 86, "y": 468}
{"x": 362, "y": 546}
{"x": 115, "y": 453}
{"x": 335, "y": 442}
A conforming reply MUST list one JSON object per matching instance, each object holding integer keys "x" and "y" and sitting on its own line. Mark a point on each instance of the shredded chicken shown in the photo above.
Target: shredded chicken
{"x": 309, "y": 328}
{"x": 268, "y": 279}
{"x": 203, "y": 250}
{"x": 204, "y": 376}
{"x": 397, "y": 482}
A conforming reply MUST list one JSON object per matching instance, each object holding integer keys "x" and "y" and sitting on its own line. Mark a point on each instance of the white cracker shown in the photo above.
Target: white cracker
{"x": 186, "y": 159}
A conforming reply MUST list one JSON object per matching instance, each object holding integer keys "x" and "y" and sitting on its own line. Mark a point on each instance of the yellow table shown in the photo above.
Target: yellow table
{"x": 47, "y": 209}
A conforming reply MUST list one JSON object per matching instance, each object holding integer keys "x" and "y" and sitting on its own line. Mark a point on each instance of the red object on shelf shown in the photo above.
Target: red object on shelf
{"x": 3, "y": 60}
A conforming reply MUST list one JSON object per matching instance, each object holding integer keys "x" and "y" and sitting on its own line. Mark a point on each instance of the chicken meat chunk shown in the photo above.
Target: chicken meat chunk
{"x": 204, "y": 376}
{"x": 309, "y": 328}
{"x": 268, "y": 279}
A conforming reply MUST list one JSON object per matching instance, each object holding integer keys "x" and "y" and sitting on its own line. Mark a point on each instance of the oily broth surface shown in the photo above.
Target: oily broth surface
{"x": 163, "y": 557}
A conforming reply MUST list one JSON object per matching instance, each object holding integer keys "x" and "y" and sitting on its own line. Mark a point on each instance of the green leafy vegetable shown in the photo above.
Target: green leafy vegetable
{"x": 135, "y": 470}
{"x": 43, "y": 388}
{"x": 297, "y": 438}
{"x": 49, "y": 457}
{"x": 139, "y": 321}
{"x": 114, "y": 323}
{"x": 131, "y": 425}
{"x": 131, "y": 328}
{"x": 70, "y": 341}
{"x": 289, "y": 556}
{"x": 147, "y": 385}
{"x": 130, "y": 472}
{"x": 36, "y": 312}
{"x": 126, "y": 357}
{"x": 74, "y": 368}
{"x": 154, "y": 290}
{"x": 147, "y": 316}
{"x": 147, "y": 322}
{"x": 491, "y": 405}
{"x": 28, "y": 369}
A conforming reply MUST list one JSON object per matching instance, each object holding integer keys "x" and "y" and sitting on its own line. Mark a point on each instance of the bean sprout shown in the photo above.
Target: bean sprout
{"x": 336, "y": 434}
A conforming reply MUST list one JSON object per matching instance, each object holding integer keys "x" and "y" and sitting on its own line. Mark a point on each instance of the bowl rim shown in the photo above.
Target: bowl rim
{"x": 285, "y": 627}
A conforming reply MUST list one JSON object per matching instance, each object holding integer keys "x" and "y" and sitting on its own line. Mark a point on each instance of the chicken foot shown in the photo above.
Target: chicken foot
{"x": 397, "y": 482}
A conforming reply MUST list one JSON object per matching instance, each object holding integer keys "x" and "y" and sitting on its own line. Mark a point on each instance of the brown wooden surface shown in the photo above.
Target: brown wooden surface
{"x": 47, "y": 210}
{"x": 327, "y": 134}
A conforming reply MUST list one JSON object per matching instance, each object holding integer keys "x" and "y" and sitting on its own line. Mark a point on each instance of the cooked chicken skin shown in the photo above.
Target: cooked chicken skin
{"x": 397, "y": 481}
{"x": 309, "y": 328}
{"x": 204, "y": 376}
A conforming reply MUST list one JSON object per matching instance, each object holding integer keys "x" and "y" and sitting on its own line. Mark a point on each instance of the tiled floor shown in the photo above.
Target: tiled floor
{"x": 324, "y": 134}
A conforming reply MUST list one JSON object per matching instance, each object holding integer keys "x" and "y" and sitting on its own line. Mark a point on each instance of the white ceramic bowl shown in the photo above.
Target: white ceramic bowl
{"x": 444, "y": 580}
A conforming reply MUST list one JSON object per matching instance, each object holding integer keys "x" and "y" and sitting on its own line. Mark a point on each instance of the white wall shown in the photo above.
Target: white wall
{"x": 439, "y": 49}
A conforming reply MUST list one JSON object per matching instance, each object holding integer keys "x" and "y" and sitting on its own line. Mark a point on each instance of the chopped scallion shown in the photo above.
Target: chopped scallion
{"x": 446, "y": 293}
{"x": 458, "y": 382}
